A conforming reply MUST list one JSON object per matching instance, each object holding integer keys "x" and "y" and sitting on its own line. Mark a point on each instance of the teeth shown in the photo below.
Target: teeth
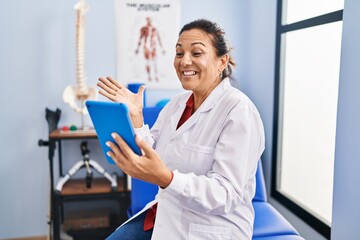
{"x": 189, "y": 73}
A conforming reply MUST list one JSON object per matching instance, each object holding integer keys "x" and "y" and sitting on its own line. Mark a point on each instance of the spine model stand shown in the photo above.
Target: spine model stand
{"x": 88, "y": 164}
{"x": 80, "y": 93}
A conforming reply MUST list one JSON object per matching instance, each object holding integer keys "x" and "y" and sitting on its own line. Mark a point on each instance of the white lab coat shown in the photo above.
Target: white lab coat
{"x": 213, "y": 156}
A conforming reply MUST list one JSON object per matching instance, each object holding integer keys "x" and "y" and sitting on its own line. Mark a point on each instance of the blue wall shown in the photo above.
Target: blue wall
{"x": 37, "y": 61}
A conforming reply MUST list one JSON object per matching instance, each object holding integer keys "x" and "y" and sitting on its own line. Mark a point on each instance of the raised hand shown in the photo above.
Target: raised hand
{"x": 115, "y": 91}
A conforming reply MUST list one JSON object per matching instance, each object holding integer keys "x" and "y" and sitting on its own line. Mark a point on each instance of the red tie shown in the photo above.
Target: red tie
{"x": 151, "y": 213}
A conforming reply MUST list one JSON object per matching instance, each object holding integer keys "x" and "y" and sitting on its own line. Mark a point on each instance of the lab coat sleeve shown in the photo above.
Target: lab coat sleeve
{"x": 230, "y": 181}
{"x": 144, "y": 133}
{"x": 150, "y": 135}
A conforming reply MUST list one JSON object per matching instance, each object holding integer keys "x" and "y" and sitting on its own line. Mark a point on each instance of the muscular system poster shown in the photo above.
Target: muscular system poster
{"x": 146, "y": 35}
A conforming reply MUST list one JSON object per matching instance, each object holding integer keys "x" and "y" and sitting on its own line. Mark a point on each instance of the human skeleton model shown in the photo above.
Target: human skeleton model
{"x": 149, "y": 37}
{"x": 80, "y": 93}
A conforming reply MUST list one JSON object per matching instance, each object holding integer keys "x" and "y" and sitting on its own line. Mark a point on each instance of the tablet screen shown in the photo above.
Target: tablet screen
{"x": 109, "y": 117}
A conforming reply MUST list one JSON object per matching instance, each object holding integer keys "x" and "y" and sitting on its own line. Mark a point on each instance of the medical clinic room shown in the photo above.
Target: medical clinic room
{"x": 180, "y": 120}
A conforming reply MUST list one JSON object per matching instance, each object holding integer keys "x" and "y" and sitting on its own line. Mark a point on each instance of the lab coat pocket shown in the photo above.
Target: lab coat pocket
{"x": 199, "y": 157}
{"x": 206, "y": 232}
{"x": 200, "y": 148}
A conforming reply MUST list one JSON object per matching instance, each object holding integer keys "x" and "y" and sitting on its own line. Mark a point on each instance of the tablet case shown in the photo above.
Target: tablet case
{"x": 109, "y": 117}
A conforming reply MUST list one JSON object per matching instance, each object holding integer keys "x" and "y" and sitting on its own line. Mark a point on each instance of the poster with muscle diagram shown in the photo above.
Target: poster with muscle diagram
{"x": 146, "y": 34}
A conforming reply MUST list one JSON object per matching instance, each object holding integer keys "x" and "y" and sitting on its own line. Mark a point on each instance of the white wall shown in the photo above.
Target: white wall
{"x": 346, "y": 207}
{"x": 37, "y": 61}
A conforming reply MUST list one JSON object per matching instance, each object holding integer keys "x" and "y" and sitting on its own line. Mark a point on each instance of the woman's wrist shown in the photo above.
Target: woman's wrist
{"x": 137, "y": 119}
{"x": 166, "y": 180}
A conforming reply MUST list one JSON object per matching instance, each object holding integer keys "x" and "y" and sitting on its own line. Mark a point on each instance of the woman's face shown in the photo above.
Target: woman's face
{"x": 196, "y": 63}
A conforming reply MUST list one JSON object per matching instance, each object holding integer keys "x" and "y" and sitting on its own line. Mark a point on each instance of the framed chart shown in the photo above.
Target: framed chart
{"x": 146, "y": 34}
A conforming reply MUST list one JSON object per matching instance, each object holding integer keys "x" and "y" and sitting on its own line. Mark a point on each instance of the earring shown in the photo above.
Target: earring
{"x": 220, "y": 75}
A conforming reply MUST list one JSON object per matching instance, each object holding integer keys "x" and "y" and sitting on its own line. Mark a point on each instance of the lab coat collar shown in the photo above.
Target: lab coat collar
{"x": 214, "y": 96}
{"x": 208, "y": 104}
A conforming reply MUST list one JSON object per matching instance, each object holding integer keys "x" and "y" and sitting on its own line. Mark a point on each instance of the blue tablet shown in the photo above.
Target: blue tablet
{"x": 109, "y": 117}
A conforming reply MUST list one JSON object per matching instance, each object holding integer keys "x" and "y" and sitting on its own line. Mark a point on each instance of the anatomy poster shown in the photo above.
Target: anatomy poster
{"x": 146, "y": 35}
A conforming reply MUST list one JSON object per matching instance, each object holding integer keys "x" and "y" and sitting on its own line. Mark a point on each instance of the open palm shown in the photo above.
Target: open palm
{"x": 116, "y": 92}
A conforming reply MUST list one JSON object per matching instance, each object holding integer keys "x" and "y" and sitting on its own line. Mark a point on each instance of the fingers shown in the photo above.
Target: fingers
{"x": 141, "y": 90}
{"x": 108, "y": 95}
{"x": 110, "y": 85}
{"x": 116, "y": 154}
{"x": 115, "y": 83}
{"x": 121, "y": 153}
{"x": 126, "y": 151}
{"x": 146, "y": 149}
{"x": 111, "y": 89}
{"x": 105, "y": 87}
{"x": 105, "y": 90}
{"x": 116, "y": 92}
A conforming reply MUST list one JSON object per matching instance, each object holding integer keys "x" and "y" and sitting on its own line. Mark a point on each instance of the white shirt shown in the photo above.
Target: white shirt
{"x": 213, "y": 156}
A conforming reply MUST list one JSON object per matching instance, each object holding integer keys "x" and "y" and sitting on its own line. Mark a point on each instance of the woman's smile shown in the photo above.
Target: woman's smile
{"x": 189, "y": 73}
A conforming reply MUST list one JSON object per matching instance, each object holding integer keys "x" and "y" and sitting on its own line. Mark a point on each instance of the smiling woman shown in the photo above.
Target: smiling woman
{"x": 202, "y": 58}
{"x": 197, "y": 66}
{"x": 202, "y": 150}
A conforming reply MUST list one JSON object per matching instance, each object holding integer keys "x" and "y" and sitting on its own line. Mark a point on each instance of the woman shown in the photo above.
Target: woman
{"x": 202, "y": 151}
